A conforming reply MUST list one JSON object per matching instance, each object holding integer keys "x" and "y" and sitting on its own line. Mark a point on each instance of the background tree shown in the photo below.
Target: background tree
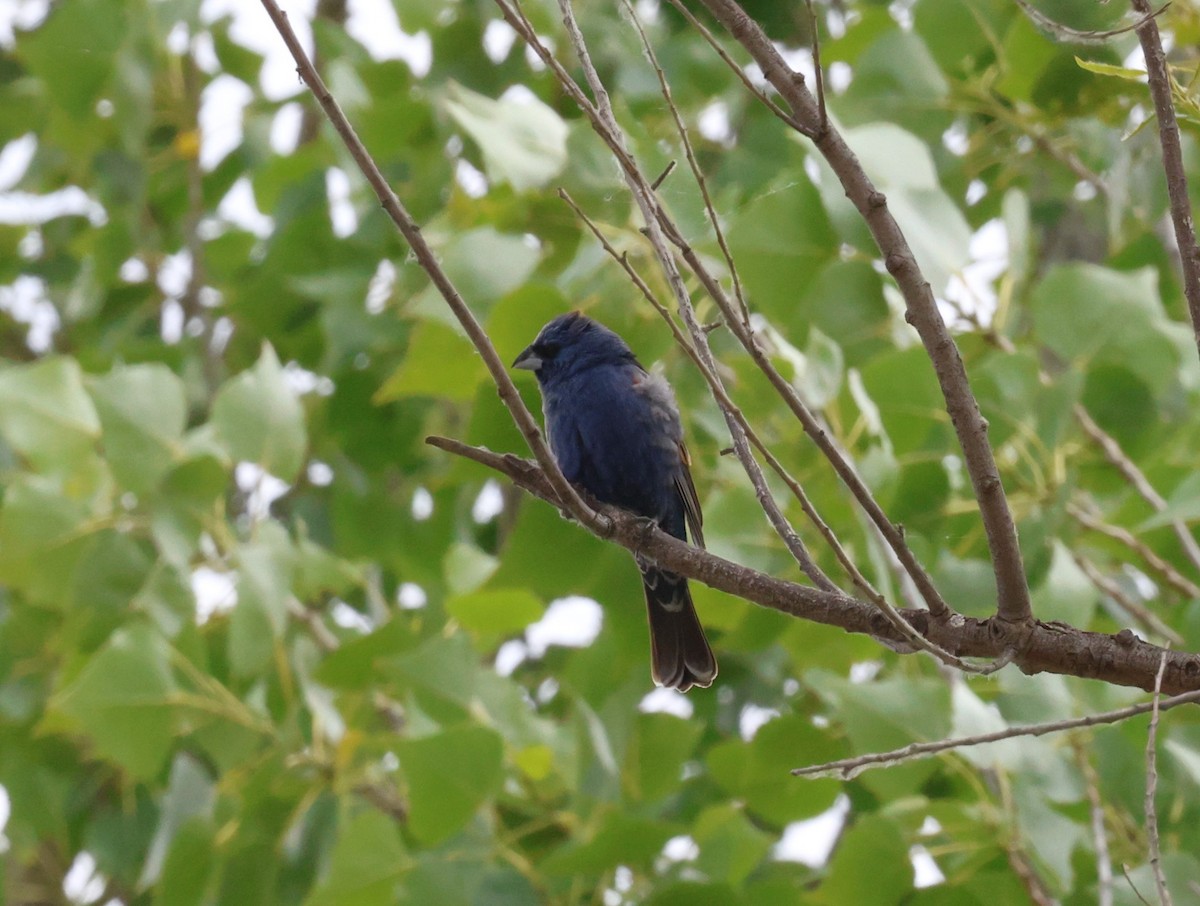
{"x": 260, "y": 643}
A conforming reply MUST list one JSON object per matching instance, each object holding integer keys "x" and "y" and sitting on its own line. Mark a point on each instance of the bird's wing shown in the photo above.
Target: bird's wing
{"x": 691, "y": 501}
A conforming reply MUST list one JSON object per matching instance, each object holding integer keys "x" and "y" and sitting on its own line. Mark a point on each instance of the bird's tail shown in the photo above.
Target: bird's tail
{"x": 680, "y": 656}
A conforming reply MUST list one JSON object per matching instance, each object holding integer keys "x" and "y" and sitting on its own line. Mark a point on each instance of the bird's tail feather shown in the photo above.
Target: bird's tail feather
{"x": 680, "y": 654}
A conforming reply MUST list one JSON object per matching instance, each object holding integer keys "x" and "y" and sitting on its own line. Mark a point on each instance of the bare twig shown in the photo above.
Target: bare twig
{"x": 1107, "y": 586}
{"x": 1168, "y": 138}
{"x": 566, "y": 494}
{"x": 1068, "y": 35}
{"x": 693, "y": 163}
{"x": 1160, "y": 880}
{"x": 852, "y": 767}
{"x": 1137, "y": 479}
{"x": 1122, "y": 659}
{"x": 737, "y": 70}
{"x": 1132, "y": 886}
{"x": 1013, "y": 605}
{"x": 1170, "y": 574}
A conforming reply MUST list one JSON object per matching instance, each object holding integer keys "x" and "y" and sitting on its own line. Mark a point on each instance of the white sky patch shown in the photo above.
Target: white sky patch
{"x": 839, "y": 77}
{"x": 667, "y": 701}
{"x": 319, "y": 473}
{"x": 753, "y": 718}
{"x": 473, "y": 183}
{"x": 261, "y": 487}
{"x": 134, "y": 270}
{"x": 285, "y": 128}
{"x": 222, "y": 103}
{"x": 28, "y": 209}
{"x": 82, "y": 883}
{"x": 174, "y": 273}
{"x": 215, "y": 592}
{"x": 20, "y": 15}
{"x": 1084, "y": 191}
{"x": 411, "y": 596}
{"x": 955, "y": 139}
{"x": 925, "y": 870}
{"x": 976, "y": 190}
{"x": 498, "y": 38}
{"x": 489, "y": 504}
{"x": 170, "y": 322}
{"x": 681, "y": 849}
{"x": 25, "y": 300}
{"x": 251, "y": 27}
{"x": 572, "y": 622}
{"x": 5, "y": 811}
{"x": 373, "y": 23}
{"x": 349, "y": 618}
{"x": 342, "y": 215}
{"x": 15, "y": 159}
{"x": 240, "y": 208}
{"x": 647, "y": 10}
{"x": 810, "y": 842}
{"x": 422, "y": 504}
{"x": 865, "y": 671}
{"x": 301, "y": 381}
{"x": 713, "y": 123}
{"x": 509, "y": 657}
{"x": 973, "y": 288}
{"x": 379, "y": 290}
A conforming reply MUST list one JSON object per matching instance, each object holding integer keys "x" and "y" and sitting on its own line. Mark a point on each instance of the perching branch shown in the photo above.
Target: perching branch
{"x": 1160, "y": 880}
{"x": 1168, "y": 138}
{"x": 1012, "y": 590}
{"x": 1122, "y": 659}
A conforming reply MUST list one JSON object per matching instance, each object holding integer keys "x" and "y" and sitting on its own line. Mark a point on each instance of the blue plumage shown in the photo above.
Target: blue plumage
{"x": 614, "y": 430}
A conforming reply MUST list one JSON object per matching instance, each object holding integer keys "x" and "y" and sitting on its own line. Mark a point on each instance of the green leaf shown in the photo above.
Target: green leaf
{"x": 47, "y": 415}
{"x": 121, "y": 700}
{"x": 618, "y": 840}
{"x": 367, "y": 861}
{"x": 41, "y": 540}
{"x": 656, "y": 754}
{"x": 1108, "y": 69}
{"x": 259, "y": 419}
{"x": 498, "y": 613}
{"x": 440, "y": 362}
{"x": 264, "y": 580}
{"x": 759, "y": 771}
{"x": 450, "y": 775}
{"x": 143, "y": 413}
{"x": 870, "y": 865}
{"x": 523, "y": 143}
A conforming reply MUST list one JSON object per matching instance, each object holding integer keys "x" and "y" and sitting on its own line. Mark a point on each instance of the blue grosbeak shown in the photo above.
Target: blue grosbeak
{"x": 614, "y": 430}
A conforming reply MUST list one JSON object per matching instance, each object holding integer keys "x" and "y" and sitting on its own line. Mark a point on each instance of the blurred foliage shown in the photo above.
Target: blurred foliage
{"x": 250, "y": 623}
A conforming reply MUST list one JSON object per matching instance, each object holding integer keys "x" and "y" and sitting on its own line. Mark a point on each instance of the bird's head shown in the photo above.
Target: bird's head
{"x": 571, "y": 343}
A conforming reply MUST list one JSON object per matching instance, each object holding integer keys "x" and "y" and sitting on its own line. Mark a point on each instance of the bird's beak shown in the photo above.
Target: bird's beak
{"x": 528, "y": 360}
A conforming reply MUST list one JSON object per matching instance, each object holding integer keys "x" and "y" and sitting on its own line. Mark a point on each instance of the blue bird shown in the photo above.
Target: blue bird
{"x": 614, "y": 430}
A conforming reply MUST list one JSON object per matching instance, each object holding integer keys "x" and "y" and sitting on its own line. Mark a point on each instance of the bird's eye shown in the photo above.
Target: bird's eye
{"x": 546, "y": 350}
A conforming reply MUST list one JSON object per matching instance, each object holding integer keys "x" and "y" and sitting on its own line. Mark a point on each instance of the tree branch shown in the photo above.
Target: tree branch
{"x": 1122, "y": 659}
{"x": 1012, "y": 590}
{"x": 566, "y": 495}
{"x": 847, "y": 768}
{"x": 1168, "y": 137}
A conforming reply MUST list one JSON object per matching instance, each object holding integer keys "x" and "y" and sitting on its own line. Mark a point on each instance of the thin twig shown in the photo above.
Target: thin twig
{"x": 814, "y": 29}
{"x": 1068, "y": 35}
{"x": 693, "y": 163}
{"x": 1137, "y": 479}
{"x": 737, "y": 70}
{"x": 605, "y": 121}
{"x": 567, "y": 495}
{"x": 1168, "y": 138}
{"x": 1137, "y": 893}
{"x": 1160, "y": 880}
{"x": 1170, "y": 574}
{"x": 847, "y": 768}
{"x": 1107, "y": 586}
{"x": 1013, "y": 604}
